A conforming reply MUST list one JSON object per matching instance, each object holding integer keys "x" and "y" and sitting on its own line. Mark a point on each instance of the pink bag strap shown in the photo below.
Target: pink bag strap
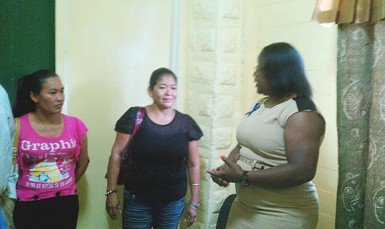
{"x": 138, "y": 120}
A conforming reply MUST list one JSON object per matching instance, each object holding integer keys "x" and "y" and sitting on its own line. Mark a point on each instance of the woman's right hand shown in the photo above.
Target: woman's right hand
{"x": 218, "y": 180}
{"x": 113, "y": 205}
{"x": 122, "y": 141}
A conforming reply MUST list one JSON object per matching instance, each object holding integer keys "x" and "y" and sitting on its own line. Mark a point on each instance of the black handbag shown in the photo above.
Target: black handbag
{"x": 126, "y": 161}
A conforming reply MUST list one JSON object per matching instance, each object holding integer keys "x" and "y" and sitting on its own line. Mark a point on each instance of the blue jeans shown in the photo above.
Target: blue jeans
{"x": 3, "y": 221}
{"x": 145, "y": 213}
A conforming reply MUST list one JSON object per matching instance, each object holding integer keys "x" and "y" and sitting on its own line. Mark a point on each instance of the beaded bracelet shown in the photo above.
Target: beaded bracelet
{"x": 111, "y": 191}
{"x": 194, "y": 206}
{"x": 195, "y": 184}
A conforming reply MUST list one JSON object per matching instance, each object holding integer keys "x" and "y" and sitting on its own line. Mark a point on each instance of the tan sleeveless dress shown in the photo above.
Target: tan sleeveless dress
{"x": 261, "y": 136}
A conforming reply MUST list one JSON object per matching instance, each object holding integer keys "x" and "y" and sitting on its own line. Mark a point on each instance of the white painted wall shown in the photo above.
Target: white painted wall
{"x": 106, "y": 51}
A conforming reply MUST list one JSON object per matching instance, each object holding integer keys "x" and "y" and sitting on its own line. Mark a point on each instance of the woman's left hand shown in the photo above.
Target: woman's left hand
{"x": 190, "y": 216}
{"x": 233, "y": 173}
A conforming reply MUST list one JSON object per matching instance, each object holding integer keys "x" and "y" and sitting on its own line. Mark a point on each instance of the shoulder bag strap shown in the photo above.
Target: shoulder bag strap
{"x": 138, "y": 120}
{"x": 15, "y": 144}
{"x": 16, "y": 136}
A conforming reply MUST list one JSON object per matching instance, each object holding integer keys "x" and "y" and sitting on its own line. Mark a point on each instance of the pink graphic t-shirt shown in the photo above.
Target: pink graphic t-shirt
{"x": 47, "y": 164}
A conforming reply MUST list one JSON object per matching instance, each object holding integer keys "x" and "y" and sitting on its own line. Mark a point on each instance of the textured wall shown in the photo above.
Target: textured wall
{"x": 214, "y": 74}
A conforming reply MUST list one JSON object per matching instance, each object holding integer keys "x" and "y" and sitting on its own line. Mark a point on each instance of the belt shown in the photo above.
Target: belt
{"x": 255, "y": 164}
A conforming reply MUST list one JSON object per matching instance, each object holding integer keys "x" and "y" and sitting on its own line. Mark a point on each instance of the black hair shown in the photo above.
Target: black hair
{"x": 284, "y": 69}
{"x": 159, "y": 73}
{"x": 25, "y": 85}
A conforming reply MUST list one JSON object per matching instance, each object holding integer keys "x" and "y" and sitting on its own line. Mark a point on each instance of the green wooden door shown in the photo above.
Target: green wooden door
{"x": 27, "y": 39}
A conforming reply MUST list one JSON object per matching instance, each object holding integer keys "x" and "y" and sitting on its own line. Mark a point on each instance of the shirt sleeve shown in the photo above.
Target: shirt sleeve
{"x": 194, "y": 131}
{"x": 81, "y": 131}
{"x": 125, "y": 123}
{"x": 82, "y": 128}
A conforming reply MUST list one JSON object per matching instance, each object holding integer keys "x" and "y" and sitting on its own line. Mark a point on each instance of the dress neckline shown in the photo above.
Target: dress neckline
{"x": 28, "y": 122}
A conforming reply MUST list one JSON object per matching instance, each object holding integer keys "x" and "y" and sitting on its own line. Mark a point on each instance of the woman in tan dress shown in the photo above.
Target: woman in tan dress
{"x": 277, "y": 152}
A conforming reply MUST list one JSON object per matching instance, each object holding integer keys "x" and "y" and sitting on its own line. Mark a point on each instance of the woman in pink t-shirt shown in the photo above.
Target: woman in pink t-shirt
{"x": 52, "y": 154}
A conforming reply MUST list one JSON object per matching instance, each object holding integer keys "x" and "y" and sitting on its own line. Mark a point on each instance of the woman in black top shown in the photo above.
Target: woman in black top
{"x": 165, "y": 144}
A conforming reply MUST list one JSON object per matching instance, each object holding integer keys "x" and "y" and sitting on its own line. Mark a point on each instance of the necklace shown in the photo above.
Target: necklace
{"x": 162, "y": 117}
{"x": 269, "y": 104}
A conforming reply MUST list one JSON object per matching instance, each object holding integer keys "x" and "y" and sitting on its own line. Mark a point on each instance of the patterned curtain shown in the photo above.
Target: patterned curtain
{"x": 361, "y": 126}
{"x": 349, "y": 11}
{"x": 360, "y": 111}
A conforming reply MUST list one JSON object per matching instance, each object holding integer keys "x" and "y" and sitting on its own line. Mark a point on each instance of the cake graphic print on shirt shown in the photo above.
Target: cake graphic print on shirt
{"x": 47, "y": 171}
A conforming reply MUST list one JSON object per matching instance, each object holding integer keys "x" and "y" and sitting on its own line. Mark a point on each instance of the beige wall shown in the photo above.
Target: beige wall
{"x": 106, "y": 51}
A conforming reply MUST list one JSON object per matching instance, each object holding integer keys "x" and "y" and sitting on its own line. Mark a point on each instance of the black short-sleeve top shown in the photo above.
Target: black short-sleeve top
{"x": 159, "y": 154}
